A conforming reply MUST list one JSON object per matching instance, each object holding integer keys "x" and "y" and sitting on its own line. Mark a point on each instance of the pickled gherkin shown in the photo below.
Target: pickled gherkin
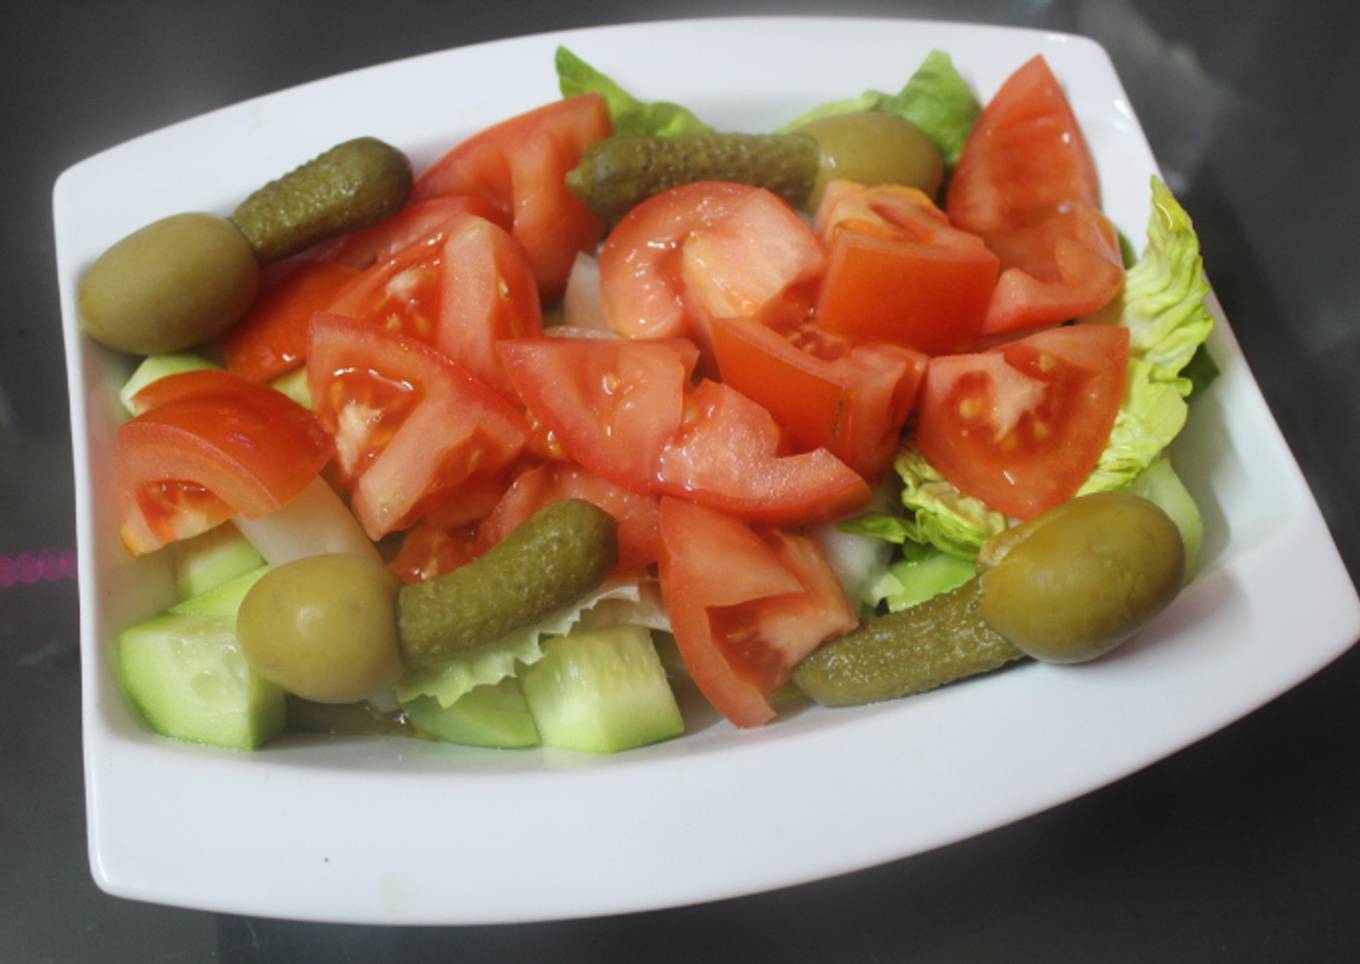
{"x": 350, "y": 186}
{"x": 559, "y": 554}
{"x": 937, "y": 642}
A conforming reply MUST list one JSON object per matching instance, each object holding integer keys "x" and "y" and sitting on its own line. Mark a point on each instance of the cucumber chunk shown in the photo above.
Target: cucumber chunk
{"x": 208, "y": 560}
{"x": 494, "y": 716}
{"x": 600, "y": 691}
{"x": 295, "y": 386}
{"x": 223, "y": 599}
{"x": 155, "y": 367}
{"x": 188, "y": 679}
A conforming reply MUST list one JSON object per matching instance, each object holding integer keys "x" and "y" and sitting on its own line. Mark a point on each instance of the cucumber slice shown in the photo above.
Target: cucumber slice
{"x": 1161, "y": 486}
{"x": 495, "y": 716}
{"x": 187, "y": 677}
{"x": 295, "y": 386}
{"x": 600, "y": 691}
{"x": 221, "y": 600}
{"x": 156, "y": 367}
{"x": 208, "y": 560}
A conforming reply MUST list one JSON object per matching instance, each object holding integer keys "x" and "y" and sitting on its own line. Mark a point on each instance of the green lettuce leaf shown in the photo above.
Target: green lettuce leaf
{"x": 493, "y": 661}
{"x": 1162, "y": 305}
{"x": 631, "y": 117}
{"x": 936, "y": 99}
{"x": 938, "y": 513}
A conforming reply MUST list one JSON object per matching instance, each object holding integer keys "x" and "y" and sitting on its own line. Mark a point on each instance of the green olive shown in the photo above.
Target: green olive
{"x": 1078, "y": 580}
{"x": 323, "y": 628}
{"x": 873, "y": 148}
{"x": 170, "y": 285}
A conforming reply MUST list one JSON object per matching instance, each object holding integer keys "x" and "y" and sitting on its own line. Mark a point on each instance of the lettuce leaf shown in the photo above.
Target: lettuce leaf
{"x": 492, "y": 661}
{"x": 1162, "y": 305}
{"x": 938, "y": 513}
{"x": 631, "y": 117}
{"x": 935, "y": 98}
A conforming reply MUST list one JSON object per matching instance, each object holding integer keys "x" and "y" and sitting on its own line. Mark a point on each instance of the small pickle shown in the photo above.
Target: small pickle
{"x": 1065, "y": 587}
{"x": 936, "y": 642}
{"x": 559, "y": 554}
{"x": 872, "y": 148}
{"x": 350, "y": 186}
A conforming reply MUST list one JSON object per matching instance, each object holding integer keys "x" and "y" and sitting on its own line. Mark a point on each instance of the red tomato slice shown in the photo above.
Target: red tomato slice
{"x": 738, "y": 265}
{"x": 641, "y": 285}
{"x": 1026, "y": 162}
{"x": 428, "y": 551}
{"x": 854, "y": 405}
{"x": 212, "y": 445}
{"x": 639, "y": 540}
{"x": 726, "y": 455}
{"x": 403, "y": 294}
{"x": 489, "y": 294}
{"x": 612, "y": 404}
{"x": 413, "y": 223}
{"x": 272, "y": 337}
{"x": 520, "y": 166}
{"x": 899, "y": 272}
{"x": 745, "y": 606}
{"x": 412, "y": 427}
{"x": 1021, "y": 426}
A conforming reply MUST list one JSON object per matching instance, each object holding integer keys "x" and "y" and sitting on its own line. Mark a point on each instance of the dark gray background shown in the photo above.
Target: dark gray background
{"x": 1243, "y": 847}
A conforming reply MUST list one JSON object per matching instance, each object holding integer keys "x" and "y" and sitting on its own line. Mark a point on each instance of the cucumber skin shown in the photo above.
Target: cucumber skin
{"x": 162, "y": 693}
{"x": 559, "y": 554}
{"x": 495, "y": 716}
{"x": 602, "y": 691}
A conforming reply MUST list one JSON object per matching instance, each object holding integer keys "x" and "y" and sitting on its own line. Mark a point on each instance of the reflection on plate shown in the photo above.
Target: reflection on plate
{"x": 407, "y": 832}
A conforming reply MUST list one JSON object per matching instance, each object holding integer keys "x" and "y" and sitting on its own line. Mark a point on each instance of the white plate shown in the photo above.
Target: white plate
{"x": 399, "y": 831}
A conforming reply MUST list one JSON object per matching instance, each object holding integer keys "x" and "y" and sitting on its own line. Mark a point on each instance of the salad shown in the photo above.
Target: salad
{"x": 615, "y": 444}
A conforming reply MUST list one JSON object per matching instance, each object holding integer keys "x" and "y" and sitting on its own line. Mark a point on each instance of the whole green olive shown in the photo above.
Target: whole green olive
{"x": 1078, "y": 580}
{"x": 172, "y": 284}
{"x": 323, "y": 628}
{"x": 873, "y": 148}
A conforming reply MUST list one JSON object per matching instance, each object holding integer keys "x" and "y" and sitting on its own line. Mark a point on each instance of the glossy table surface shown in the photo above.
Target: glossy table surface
{"x": 1241, "y": 847}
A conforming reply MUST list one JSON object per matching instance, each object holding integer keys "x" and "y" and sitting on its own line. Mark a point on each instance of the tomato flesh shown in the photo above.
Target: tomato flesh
{"x": 745, "y": 605}
{"x": 412, "y": 426}
{"x": 418, "y": 221}
{"x": 611, "y": 404}
{"x": 1021, "y": 426}
{"x": 272, "y": 337}
{"x": 854, "y": 405}
{"x": 520, "y": 166}
{"x": 403, "y": 294}
{"x": 898, "y": 272}
{"x": 209, "y": 446}
{"x": 1027, "y": 185}
{"x": 727, "y": 455}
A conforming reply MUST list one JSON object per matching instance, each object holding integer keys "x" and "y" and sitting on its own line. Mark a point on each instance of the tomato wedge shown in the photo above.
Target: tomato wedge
{"x": 1021, "y": 426}
{"x": 412, "y": 427}
{"x": 520, "y": 166}
{"x": 1024, "y": 164}
{"x": 211, "y": 445}
{"x": 641, "y": 282}
{"x": 639, "y": 539}
{"x": 745, "y": 605}
{"x": 427, "y": 550}
{"x": 415, "y": 222}
{"x": 726, "y": 455}
{"x": 272, "y": 337}
{"x": 489, "y": 294}
{"x": 611, "y": 404}
{"x": 403, "y": 294}
{"x": 899, "y": 272}
{"x": 854, "y": 405}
